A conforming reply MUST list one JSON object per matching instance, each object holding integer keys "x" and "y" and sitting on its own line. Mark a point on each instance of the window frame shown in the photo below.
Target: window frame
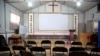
{"x": 14, "y": 24}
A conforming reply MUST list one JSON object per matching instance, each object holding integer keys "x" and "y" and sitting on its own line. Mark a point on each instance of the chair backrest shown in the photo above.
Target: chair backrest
{"x": 31, "y": 43}
{"x": 45, "y": 42}
{"x": 2, "y": 41}
{"x": 95, "y": 51}
{"x": 76, "y": 44}
{"x": 89, "y": 46}
{"x": 60, "y": 49}
{"x": 38, "y": 51}
{"x": 76, "y": 49}
{"x": 89, "y": 43}
{"x": 5, "y": 51}
{"x": 59, "y": 43}
{"x": 18, "y": 48}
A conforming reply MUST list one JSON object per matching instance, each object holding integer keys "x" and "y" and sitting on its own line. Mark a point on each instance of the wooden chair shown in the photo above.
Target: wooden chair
{"x": 89, "y": 46}
{"x": 31, "y": 44}
{"x": 5, "y": 51}
{"x": 76, "y": 49}
{"x": 38, "y": 51}
{"x": 25, "y": 53}
{"x": 95, "y": 52}
{"x": 17, "y": 49}
{"x": 59, "y": 43}
{"x": 60, "y": 51}
{"x": 46, "y": 44}
{"x": 76, "y": 44}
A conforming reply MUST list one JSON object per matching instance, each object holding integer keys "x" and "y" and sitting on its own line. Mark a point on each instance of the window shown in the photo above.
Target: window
{"x": 15, "y": 20}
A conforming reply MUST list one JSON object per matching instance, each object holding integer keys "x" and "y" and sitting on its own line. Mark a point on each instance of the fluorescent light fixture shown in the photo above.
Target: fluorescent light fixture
{"x": 30, "y": 4}
{"x": 78, "y": 3}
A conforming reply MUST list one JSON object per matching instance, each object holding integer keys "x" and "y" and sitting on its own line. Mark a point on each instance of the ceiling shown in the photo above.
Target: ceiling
{"x": 22, "y": 4}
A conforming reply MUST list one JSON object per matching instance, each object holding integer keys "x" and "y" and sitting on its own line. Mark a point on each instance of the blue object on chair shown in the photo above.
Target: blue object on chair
{"x": 99, "y": 34}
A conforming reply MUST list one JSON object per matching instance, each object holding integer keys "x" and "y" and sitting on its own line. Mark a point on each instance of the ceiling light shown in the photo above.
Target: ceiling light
{"x": 30, "y": 4}
{"x": 78, "y": 3}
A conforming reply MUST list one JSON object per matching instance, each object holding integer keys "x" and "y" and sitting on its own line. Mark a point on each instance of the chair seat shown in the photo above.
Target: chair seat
{"x": 59, "y": 54}
{"x": 39, "y": 54}
{"x": 25, "y": 53}
{"x": 46, "y": 47}
{"x": 5, "y": 54}
{"x": 5, "y": 51}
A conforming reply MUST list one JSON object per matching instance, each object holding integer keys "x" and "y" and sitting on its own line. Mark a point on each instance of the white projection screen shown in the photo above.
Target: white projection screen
{"x": 53, "y": 22}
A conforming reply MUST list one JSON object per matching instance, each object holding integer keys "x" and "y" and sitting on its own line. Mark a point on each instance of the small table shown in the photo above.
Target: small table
{"x": 14, "y": 40}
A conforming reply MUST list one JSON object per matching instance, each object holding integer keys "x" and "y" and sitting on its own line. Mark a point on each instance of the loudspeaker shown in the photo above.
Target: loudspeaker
{"x": 98, "y": 7}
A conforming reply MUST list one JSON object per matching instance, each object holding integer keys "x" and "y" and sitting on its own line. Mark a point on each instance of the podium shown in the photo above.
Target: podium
{"x": 71, "y": 35}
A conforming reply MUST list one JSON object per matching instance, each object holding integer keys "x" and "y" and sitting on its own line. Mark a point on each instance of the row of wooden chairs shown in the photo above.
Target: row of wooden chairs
{"x": 2, "y": 48}
{"x": 56, "y": 43}
{"x": 61, "y": 43}
{"x": 89, "y": 45}
{"x": 46, "y": 42}
{"x": 57, "y": 51}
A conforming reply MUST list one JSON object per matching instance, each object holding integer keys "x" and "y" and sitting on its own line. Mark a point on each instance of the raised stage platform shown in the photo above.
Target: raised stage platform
{"x": 49, "y": 36}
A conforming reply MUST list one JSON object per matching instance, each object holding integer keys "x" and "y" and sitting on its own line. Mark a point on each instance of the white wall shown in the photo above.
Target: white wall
{"x": 10, "y": 9}
{"x": 2, "y": 25}
{"x": 61, "y": 9}
{"x": 88, "y": 17}
{"x": 90, "y": 12}
{"x": 6, "y": 16}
